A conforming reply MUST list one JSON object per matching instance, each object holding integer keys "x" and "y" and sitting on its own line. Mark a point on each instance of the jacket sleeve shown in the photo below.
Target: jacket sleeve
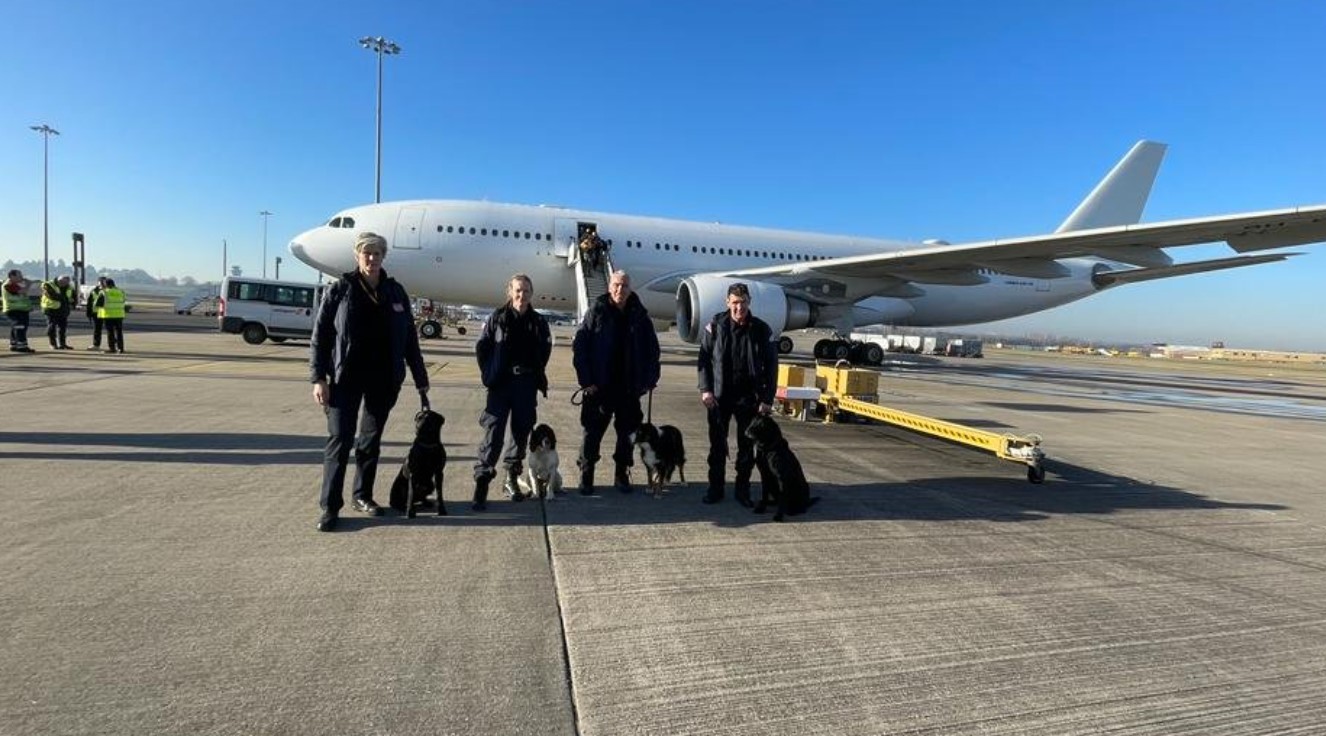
{"x": 582, "y": 345}
{"x": 324, "y": 335}
{"x": 483, "y": 347}
{"x": 706, "y": 360}
{"x": 414, "y": 357}
{"x": 655, "y": 371}
{"x": 769, "y": 386}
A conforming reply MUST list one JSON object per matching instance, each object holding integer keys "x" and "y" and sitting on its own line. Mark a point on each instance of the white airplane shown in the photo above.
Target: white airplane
{"x": 465, "y": 251}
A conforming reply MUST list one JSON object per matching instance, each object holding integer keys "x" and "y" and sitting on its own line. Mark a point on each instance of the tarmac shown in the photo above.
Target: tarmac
{"x": 160, "y": 573}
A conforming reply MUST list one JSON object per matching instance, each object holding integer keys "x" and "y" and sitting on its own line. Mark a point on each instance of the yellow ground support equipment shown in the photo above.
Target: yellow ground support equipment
{"x": 852, "y": 390}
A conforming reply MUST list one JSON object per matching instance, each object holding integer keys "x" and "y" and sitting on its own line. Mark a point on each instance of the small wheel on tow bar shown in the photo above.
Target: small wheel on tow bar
{"x": 430, "y": 329}
{"x": 784, "y": 345}
{"x": 1036, "y": 474}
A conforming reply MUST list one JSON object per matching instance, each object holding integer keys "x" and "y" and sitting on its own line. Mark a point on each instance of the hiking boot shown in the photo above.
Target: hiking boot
{"x": 480, "y": 494}
{"x": 587, "y": 479}
{"x": 622, "y": 479}
{"x": 366, "y": 506}
{"x": 512, "y": 486}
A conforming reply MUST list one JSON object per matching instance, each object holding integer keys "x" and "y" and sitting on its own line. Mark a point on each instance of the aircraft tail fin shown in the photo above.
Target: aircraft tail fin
{"x": 1120, "y": 197}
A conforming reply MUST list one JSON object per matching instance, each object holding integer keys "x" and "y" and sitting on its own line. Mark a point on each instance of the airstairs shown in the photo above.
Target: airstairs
{"x": 591, "y": 278}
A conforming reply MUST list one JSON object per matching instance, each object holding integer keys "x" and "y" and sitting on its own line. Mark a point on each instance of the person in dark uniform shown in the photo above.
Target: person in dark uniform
{"x": 513, "y": 354}
{"x": 616, "y": 358}
{"x": 363, "y": 338}
{"x": 738, "y": 370}
{"x": 97, "y": 323}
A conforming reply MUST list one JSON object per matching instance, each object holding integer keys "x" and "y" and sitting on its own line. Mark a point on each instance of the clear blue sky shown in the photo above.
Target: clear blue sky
{"x": 180, "y": 121}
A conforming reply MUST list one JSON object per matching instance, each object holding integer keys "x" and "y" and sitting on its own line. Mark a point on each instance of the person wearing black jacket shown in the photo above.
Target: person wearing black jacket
{"x": 363, "y": 339}
{"x": 616, "y": 358}
{"x": 738, "y": 370}
{"x": 513, "y": 354}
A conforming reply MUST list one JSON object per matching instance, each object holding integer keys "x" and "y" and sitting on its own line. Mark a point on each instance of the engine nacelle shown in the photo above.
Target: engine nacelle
{"x": 699, "y": 298}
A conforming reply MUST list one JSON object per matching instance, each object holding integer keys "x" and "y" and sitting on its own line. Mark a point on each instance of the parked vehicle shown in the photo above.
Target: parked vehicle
{"x": 264, "y": 309}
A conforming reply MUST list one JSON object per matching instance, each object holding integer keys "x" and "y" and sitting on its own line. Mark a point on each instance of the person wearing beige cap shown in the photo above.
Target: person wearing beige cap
{"x": 363, "y": 339}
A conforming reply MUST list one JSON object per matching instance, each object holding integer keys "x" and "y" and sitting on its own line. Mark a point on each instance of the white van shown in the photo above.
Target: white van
{"x": 262, "y": 309}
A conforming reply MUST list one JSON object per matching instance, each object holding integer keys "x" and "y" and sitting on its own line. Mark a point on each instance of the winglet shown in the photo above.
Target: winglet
{"x": 1120, "y": 197}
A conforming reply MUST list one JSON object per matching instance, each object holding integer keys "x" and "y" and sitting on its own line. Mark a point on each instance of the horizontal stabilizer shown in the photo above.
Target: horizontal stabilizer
{"x": 1105, "y": 279}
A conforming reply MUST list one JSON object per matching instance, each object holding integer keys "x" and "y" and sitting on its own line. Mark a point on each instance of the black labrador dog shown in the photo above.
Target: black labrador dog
{"x": 662, "y": 452}
{"x": 422, "y": 471}
{"x": 781, "y": 479}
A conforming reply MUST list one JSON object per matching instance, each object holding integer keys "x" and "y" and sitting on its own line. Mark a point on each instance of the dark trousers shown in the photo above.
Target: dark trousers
{"x": 97, "y": 323}
{"x": 114, "y": 333}
{"x": 18, "y": 330}
{"x": 57, "y": 325}
{"x": 720, "y": 418}
{"x": 516, "y": 400}
{"x": 595, "y": 415}
{"x": 343, "y": 405}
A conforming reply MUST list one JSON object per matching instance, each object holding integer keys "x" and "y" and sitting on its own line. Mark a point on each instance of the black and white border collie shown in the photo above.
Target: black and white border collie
{"x": 662, "y": 452}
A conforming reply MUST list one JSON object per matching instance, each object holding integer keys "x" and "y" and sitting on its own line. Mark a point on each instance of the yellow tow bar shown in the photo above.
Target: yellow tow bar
{"x": 1025, "y": 450}
{"x": 842, "y": 388}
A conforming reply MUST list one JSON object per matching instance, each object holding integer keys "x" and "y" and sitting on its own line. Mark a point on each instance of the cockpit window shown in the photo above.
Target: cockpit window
{"x": 335, "y": 222}
{"x": 347, "y": 222}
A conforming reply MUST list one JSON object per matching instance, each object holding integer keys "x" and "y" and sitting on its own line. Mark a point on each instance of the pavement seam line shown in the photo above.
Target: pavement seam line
{"x": 561, "y": 620}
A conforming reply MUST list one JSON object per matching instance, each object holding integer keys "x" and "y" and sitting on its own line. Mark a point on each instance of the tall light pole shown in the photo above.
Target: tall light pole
{"x": 46, "y": 132}
{"x": 381, "y": 46}
{"x": 265, "y": 214}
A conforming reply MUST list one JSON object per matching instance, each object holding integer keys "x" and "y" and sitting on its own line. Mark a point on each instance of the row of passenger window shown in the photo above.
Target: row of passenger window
{"x": 744, "y": 252}
{"x": 461, "y": 229}
{"x": 700, "y": 249}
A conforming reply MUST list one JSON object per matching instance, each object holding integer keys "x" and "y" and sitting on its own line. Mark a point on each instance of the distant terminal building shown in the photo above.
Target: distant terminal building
{"x": 1268, "y": 356}
{"x": 1220, "y": 352}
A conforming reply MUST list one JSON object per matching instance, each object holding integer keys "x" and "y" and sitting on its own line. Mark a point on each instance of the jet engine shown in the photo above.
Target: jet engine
{"x": 699, "y": 298}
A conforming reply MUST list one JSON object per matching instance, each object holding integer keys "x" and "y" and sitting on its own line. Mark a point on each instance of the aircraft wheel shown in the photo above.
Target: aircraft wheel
{"x": 254, "y": 333}
{"x": 430, "y": 329}
{"x": 873, "y": 354}
{"x": 1035, "y": 474}
{"x": 784, "y": 345}
{"x": 821, "y": 350}
{"x": 839, "y": 349}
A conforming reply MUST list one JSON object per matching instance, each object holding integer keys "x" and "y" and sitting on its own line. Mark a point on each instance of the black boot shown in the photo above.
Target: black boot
{"x": 481, "y": 493}
{"x": 587, "y": 479}
{"x": 621, "y": 479}
{"x": 741, "y": 490}
{"x": 715, "y": 492}
{"x": 512, "y": 485}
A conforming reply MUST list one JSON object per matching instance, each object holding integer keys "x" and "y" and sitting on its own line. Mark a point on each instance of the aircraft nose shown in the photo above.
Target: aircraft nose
{"x": 310, "y": 249}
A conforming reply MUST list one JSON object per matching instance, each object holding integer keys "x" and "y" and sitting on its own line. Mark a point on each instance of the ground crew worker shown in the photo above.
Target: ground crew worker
{"x": 57, "y": 300}
{"x": 513, "y": 354}
{"x": 92, "y": 298}
{"x": 616, "y": 358}
{"x": 738, "y": 369}
{"x": 17, "y": 307}
{"x": 111, "y": 310}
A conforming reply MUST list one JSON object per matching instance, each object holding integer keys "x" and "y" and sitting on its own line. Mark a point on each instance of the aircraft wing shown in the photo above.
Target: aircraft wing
{"x": 1132, "y": 275}
{"x": 895, "y": 273}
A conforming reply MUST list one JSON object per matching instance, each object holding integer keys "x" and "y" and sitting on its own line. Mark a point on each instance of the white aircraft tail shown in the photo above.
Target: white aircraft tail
{"x": 1120, "y": 197}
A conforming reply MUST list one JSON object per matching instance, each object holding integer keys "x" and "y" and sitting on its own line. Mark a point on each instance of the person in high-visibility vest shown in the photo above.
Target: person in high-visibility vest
{"x": 110, "y": 309}
{"x": 93, "y": 296}
{"x": 57, "y": 300}
{"x": 17, "y": 307}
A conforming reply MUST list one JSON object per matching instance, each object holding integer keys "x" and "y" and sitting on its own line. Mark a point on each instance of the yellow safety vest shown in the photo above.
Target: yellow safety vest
{"x": 112, "y": 304}
{"x": 52, "y": 304}
{"x": 16, "y": 302}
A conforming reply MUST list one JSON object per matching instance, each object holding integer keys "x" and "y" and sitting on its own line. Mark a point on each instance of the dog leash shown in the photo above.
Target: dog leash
{"x": 578, "y": 397}
{"x": 649, "y": 412}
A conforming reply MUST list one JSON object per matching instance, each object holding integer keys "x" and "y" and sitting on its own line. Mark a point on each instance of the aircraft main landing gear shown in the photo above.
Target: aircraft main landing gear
{"x": 863, "y": 353}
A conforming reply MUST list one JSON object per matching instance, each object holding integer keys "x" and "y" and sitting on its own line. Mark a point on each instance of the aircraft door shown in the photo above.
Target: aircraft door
{"x": 409, "y": 228}
{"x": 566, "y": 235}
